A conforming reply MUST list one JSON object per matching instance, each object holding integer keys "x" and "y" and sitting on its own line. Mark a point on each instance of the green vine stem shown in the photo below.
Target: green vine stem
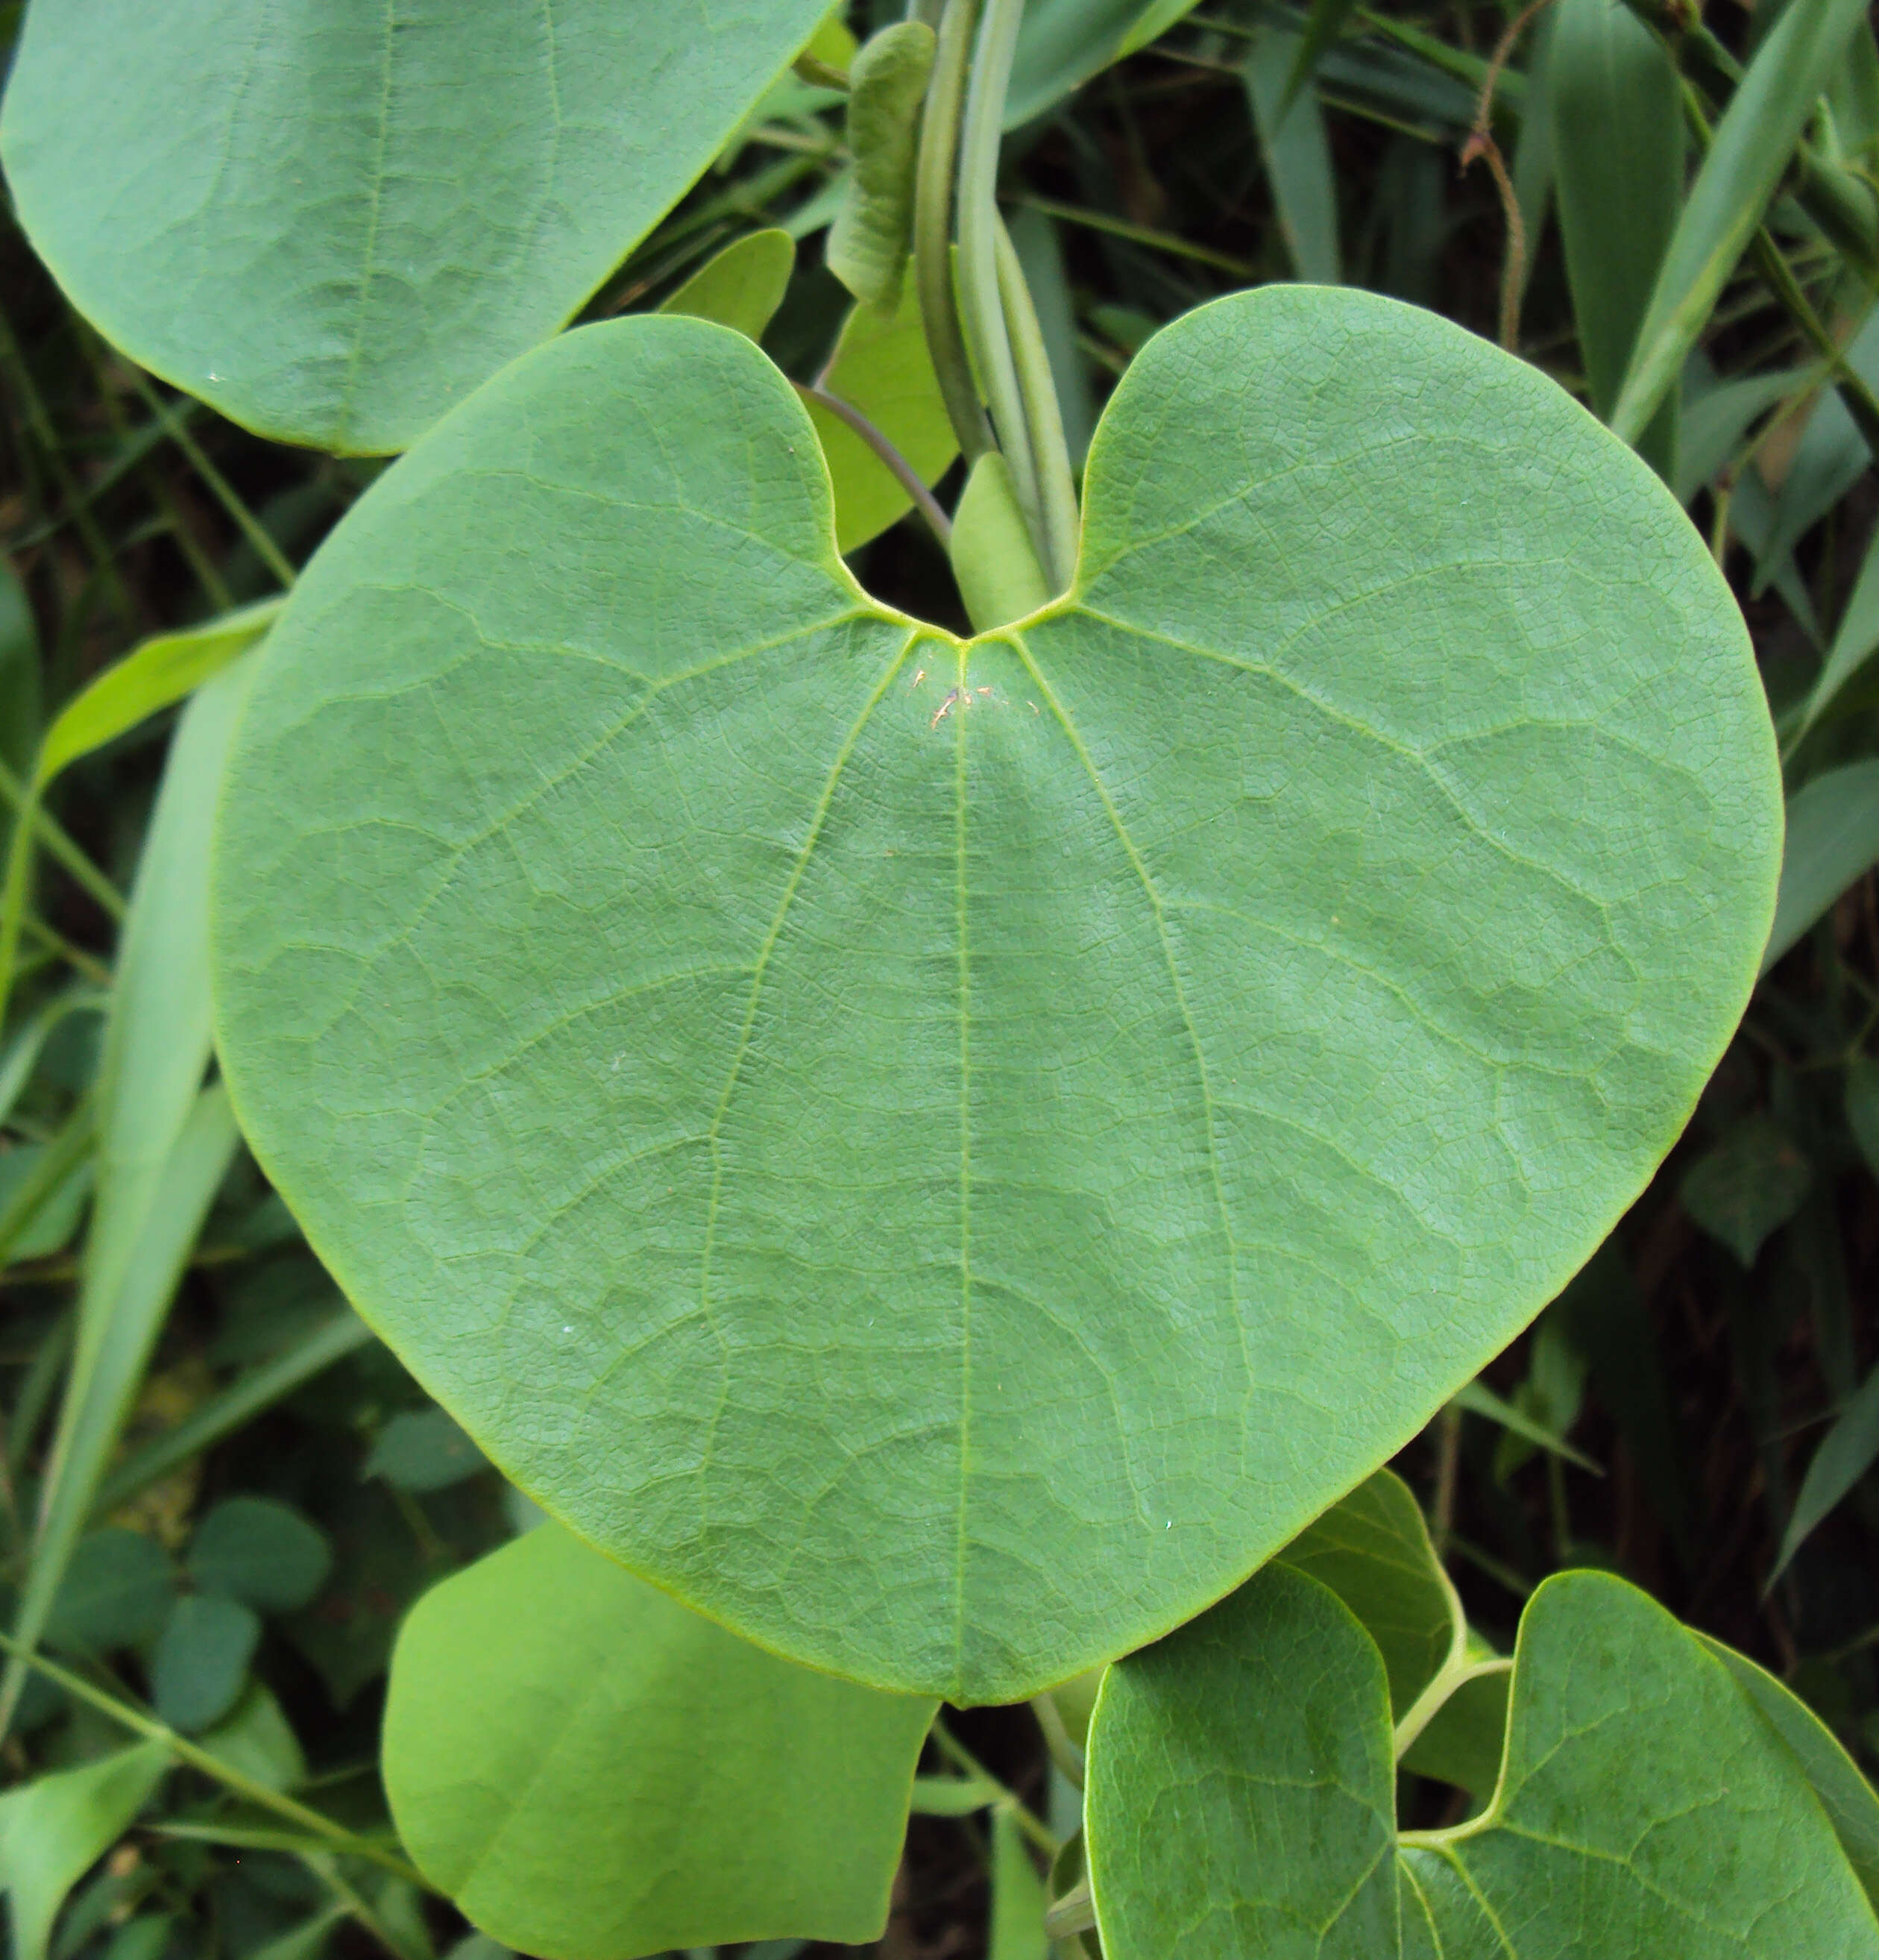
{"x": 1044, "y": 419}
{"x": 934, "y": 198}
{"x": 980, "y": 300}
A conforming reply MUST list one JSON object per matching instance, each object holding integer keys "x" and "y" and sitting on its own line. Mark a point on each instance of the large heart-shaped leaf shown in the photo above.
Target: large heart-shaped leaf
{"x": 333, "y": 218}
{"x": 591, "y": 1772}
{"x": 1240, "y": 1800}
{"x": 946, "y": 1156}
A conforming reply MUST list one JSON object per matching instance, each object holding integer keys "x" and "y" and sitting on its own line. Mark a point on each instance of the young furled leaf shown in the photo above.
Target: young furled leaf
{"x": 873, "y": 231}
{"x": 1054, "y": 1110}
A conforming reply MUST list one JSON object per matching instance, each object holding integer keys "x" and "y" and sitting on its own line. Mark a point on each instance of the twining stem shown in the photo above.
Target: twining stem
{"x": 1044, "y": 419}
{"x": 904, "y": 474}
{"x": 981, "y": 299}
{"x": 934, "y": 185}
{"x": 1481, "y": 144}
{"x": 236, "y": 1781}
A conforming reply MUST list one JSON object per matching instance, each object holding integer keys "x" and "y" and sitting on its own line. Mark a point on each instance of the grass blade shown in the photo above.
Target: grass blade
{"x": 1754, "y": 144}
{"x": 1297, "y": 158}
{"x": 164, "y": 1144}
{"x": 1846, "y": 1453}
{"x": 1855, "y": 641}
{"x": 1833, "y": 839}
{"x": 1618, "y": 168}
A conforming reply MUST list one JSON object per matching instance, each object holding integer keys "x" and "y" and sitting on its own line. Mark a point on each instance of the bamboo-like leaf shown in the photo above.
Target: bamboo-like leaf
{"x": 1845, "y": 1453}
{"x": 1754, "y": 144}
{"x": 1615, "y": 99}
{"x": 1854, "y": 642}
{"x": 1833, "y": 839}
{"x": 164, "y": 1145}
{"x": 1297, "y": 154}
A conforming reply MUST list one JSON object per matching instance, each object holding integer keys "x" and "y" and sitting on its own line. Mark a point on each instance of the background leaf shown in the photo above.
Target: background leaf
{"x": 54, "y": 1829}
{"x": 594, "y": 1773}
{"x": 332, "y": 229}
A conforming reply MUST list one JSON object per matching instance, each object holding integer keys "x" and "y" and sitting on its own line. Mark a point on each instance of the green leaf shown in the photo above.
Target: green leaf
{"x": 1854, "y": 642}
{"x": 881, "y": 366}
{"x": 20, "y": 693}
{"x": 332, "y": 223}
{"x": 261, "y": 1552}
{"x": 423, "y": 1449}
{"x": 1063, "y": 42}
{"x": 1849, "y": 1799}
{"x": 1830, "y": 457}
{"x": 1617, "y": 107}
{"x": 592, "y": 1772}
{"x": 1833, "y": 842}
{"x": 257, "y": 1741}
{"x": 117, "y": 1592}
{"x": 741, "y": 286}
{"x": 1240, "y": 1793}
{"x": 54, "y": 1829}
{"x": 1372, "y": 1550}
{"x": 56, "y": 1218}
{"x": 201, "y": 1661}
{"x": 1748, "y": 1186}
{"x": 156, "y": 674}
{"x": 874, "y": 232}
{"x": 1846, "y": 1452}
{"x": 1297, "y": 154}
{"x": 1058, "y": 1138}
{"x": 1753, "y": 145}
{"x": 1477, "y": 1398}
{"x": 1644, "y": 1807}
{"x": 1240, "y": 1784}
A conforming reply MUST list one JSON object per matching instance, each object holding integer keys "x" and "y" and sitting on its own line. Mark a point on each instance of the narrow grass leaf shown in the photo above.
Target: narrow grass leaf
{"x": 1477, "y": 1398}
{"x": 1618, "y": 164}
{"x": 1297, "y": 154}
{"x": 1855, "y": 641}
{"x": 155, "y": 676}
{"x": 164, "y": 1144}
{"x": 1846, "y": 1453}
{"x": 1829, "y": 459}
{"x": 1754, "y": 144}
{"x": 1832, "y": 840}
{"x": 1017, "y": 1917}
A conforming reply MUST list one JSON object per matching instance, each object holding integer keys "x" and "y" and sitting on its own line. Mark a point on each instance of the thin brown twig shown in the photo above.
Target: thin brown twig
{"x": 1481, "y": 144}
{"x": 903, "y": 472}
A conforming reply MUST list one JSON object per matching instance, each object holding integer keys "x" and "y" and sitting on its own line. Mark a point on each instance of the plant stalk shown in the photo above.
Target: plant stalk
{"x": 980, "y": 300}
{"x": 935, "y": 183}
{"x": 903, "y": 472}
{"x": 1044, "y": 420}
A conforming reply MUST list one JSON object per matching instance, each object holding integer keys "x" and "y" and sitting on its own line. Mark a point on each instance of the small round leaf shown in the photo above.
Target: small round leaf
{"x": 264, "y": 1553}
